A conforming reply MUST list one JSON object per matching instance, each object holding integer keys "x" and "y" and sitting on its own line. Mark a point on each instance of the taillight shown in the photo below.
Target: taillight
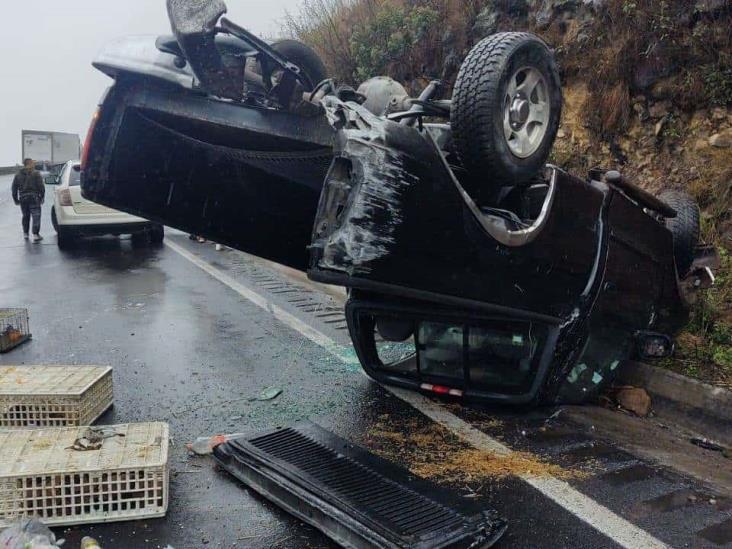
{"x": 87, "y": 142}
{"x": 441, "y": 390}
{"x": 64, "y": 197}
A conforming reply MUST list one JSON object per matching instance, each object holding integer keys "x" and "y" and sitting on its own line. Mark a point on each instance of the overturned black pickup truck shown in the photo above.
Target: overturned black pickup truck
{"x": 475, "y": 270}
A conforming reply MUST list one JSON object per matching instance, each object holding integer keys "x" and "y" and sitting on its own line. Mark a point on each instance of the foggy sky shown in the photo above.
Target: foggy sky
{"x": 47, "y": 46}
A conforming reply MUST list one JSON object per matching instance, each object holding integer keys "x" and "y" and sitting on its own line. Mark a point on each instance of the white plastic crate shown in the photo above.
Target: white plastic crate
{"x": 126, "y": 479}
{"x": 53, "y": 396}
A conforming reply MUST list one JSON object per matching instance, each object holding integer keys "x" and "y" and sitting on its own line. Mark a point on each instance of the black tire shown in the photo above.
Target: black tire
{"x": 54, "y": 219}
{"x": 64, "y": 238}
{"x": 157, "y": 234}
{"x": 141, "y": 238}
{"x": 478, "y": 105}
{"x": 684, "y": 228}
{"x": 304, "y": 57}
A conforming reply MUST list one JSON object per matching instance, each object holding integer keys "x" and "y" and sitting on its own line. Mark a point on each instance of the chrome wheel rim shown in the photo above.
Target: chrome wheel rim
{"x": 525, "y": 111}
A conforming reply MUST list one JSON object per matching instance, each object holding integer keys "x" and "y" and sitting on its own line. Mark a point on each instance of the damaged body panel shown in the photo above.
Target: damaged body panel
{"x": 474, "y": 269}
{"x": 493, "y": 307}
{"x": 246, "y": 177}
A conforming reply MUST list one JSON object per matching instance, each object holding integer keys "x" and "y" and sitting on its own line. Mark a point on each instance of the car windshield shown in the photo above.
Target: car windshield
{"x": 75, "y": 176}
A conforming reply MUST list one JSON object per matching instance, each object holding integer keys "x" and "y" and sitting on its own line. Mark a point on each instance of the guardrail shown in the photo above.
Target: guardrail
{"x": 8, "y": 170}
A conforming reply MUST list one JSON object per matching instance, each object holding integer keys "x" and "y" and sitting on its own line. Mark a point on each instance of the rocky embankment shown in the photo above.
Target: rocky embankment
{"x": 647, "y": 89}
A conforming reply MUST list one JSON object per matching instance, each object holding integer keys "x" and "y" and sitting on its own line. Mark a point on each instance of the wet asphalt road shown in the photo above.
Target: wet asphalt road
{"x": 189, "y": 350}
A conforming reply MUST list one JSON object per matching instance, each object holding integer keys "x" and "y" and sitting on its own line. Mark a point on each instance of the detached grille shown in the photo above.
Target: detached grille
{"x": 356, "y": 498}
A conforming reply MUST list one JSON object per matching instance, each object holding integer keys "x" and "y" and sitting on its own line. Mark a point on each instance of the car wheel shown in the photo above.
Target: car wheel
{"x": 64, "y": 238}
{"x": 140, "y": 239}
{"x": 304, "y": 57}
{"x": 54, "y": 220}
{"x": 157, "y": 234}
{"x": 684, "y": 228}
{"x": 505, "y": 111}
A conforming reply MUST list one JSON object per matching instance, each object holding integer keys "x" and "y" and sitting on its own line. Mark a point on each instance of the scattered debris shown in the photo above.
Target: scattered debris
{"x": 634, "y": 399}
{"x": 270, "y": 393}
{"x": 555, "y": 415}
{"x": 29, "y": 534}
{"x": 93, "y": 439}
{"x": 433, "y": 452}
{"x": 707, "y": 444}
{"x": 89, "y": 543}
{"x": 721, "y": 140}
{"x": 471, "y": 464}
{"x": 204, "y": 446}
{"x": 631, "y": 399}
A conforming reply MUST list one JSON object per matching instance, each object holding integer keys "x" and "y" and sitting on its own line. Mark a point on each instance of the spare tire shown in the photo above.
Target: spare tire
{"x": 506, "y": 108}
{"x": 304, "y": 57}
{"x": 684, "y": 227}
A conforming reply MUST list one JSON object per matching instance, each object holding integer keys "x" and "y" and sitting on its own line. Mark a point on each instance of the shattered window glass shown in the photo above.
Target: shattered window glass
{"x": 441, "y": 350}
{"x": 606, "y": 347}
{"x": 505, "y": 357}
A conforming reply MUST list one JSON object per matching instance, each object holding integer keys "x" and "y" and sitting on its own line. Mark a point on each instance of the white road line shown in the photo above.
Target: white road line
{"x": 602, "y": 519}
{"x": 339, "y": 351}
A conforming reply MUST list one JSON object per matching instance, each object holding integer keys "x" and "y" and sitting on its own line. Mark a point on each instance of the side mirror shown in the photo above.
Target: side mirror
{"x": 653, "y": 346}
{"x": 51, "y": 179}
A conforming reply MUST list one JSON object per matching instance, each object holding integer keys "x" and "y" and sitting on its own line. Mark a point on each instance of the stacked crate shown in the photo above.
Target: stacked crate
{"x": 56, "y": 467}
{"x": 53, "y": 396}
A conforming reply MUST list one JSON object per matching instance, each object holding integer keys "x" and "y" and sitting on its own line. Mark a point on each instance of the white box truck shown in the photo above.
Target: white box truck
{"x": 51, "y": 147}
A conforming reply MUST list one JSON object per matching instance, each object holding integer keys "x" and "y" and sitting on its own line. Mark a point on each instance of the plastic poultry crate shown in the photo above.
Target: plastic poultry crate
{"x": 125, "y": 479}
{"x": 14, "y": 328}
{"x": 53, "y": 396}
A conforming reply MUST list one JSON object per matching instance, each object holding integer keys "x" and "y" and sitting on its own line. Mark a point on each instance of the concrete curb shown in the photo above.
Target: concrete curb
{"x": 685, "y": 392}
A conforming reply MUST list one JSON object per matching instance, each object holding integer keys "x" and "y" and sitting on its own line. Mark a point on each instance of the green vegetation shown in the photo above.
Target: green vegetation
{"x": 707, "y": 340}
{"x": 389, "y": 38}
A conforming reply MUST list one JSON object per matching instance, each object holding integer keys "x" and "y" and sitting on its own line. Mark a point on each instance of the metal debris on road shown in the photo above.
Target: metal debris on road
{"x": 270, "y": 393}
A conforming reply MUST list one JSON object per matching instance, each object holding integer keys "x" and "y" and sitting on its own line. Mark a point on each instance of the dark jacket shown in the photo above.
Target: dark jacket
{"x": 28, "y": 187}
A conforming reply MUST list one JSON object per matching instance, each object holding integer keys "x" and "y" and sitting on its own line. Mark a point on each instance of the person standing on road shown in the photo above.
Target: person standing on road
{"x": 29, "y": 193}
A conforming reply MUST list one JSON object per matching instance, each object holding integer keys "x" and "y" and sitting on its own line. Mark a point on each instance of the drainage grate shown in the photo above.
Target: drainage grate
{"x": 354, "y": 497}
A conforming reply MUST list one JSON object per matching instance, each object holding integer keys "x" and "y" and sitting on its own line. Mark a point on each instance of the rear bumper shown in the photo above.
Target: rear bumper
{"x": 100, "y": 229}
{"x": 66, "y": 216}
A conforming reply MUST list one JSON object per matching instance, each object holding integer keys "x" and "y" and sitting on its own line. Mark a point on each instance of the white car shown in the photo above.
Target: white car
{"x": 73, "y": 216}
